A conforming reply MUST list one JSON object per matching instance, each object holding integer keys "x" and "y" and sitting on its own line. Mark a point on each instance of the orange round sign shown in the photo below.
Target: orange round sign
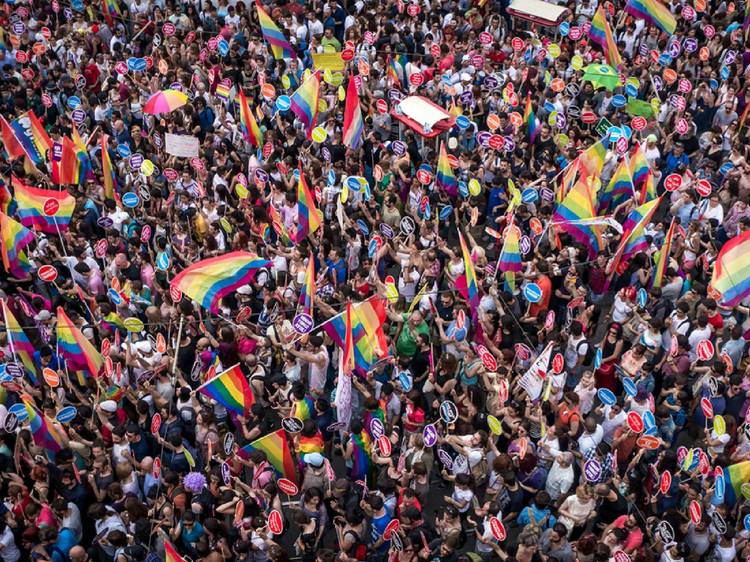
{"x": 493, "y": 121}
{"x": 51, "y": 377}
{"x": 515, "y": 119}
{"x": 557, "y": 85}
{"x": 536, "y": 226}
{"x": 700, "y": 5}
{"x": 670, "y": 75}
{"x": 703, "y": 54}
{"x": 268, "y": 90}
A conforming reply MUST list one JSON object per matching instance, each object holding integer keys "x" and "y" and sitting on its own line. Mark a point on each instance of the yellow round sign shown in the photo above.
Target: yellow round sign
{"x": 319, "y": 134}
{"x": 241, "y": 191}
{"x": 225, "y": 225}
{"x": 554, "y": 50}
{"x": 322, "y": 105}
{"x": 344, "y": 193}
{"x": 474, "y": 187}
{"x": 341, "y": 93}
{"x": 562, "y": 140}
{"x": 327, "y": 76}
{"x": 133, "y": 324}
{"x": 745, "y": 490}
{"x": 720, "y": 426}
{"x": 391, "y": 292}
{"x": 286, "y": 82}
{"x": 147, "y": 168}
{"x": 336, "y": 79}
{"x": 576, "y": 62}
{"x": 552, "y": 118}
{"x": 495, "y": 425}
{"x": 632, "y": 81}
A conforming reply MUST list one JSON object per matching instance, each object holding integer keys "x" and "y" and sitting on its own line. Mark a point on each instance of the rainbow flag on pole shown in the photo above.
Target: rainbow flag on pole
{"x": 653, "y": 12}
{"x": 736, "y": 475}
{"x": 305, "y": 102}
{"x": 445, "y": 179}
{"x": 370, "y": 344}
{"x": 207, "y": 281}
{"x": 171, "y": 554}
{"x": 272, "y": 34}
{"x": 648, "y": 190}
{"x": 578, "y": 205}
{"x": 662, "y": 261}
{"x": 618, "y": 190}
{"x": 639, "y": 168}
{"x": 67, "y": 170}
{"x": 471, "y": 277}
{"x": 731, "y": 276}
{"x": 392, "y": 72}
{"x": 354, "y": 126}
{"x": 308, "y": 220}
{"x": 529, "y": 120}
{"x": 14, "y": 238}
{"x": 32, "y": 137}
{"x": 231, "y": 390}
{"x": 45, "y": 434}
{"x": 31, "y": 202}
{"x": 634, "y": 238}
{"x": 20, "y": 345}
{"x": 276, "y": 447}
{"x": 347, "y": 361}
{"x": 509, "y": 260}
{"x": 601, "y": 33}
{"x": 307, "y": 294}
{"x": 79, "y": 353}
{"x": 591, "y": 160}
{"x": 248, "y": 125}
{"x": 108, "y": 171}
{"x": 10, "y": 142}
{"x": 111, "y": 10}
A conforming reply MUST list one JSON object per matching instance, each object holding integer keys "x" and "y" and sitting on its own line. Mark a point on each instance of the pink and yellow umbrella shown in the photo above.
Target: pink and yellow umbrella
{"x": 165, "y": 101}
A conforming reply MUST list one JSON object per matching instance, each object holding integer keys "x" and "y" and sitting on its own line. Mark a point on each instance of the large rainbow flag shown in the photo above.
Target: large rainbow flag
{"x": 85, "y": 169}
{"x": 231, "y": 390}
{"x": 79, "y": 353}
{"x": 509, "y": 260}
{"x": 307, "y": 294}
{"x": 578, "y": 205}
{"x": 736, "y": 475}
{"x": 111, "y": 10}
{"x": 662, "y": 261}
{"x": 530, "y": 121}
{"x": 207, "y": 281}
{"x": 45, "y": 434}
{"x": 308, "y": 220}
{"x": 472, "y": 286}
{"x": 445, "y": 178}
{"x": 10, "y": 142}
{"x": 634, "y": 238}
{"x": 639, "y": 168}
{"x": 361, "y": 457}
{"x": 354, "y": 125}
{"x": 601, "y": 33}
{"x": 731, "y": 276}
{"x": 654, "y": 12}
{"x": 619, "y": 189}
{"x": 20, "y": 345}
{"x": 347, "y": 360}
{"x": 31, "y": 202}
{"x": 305, "y": 102}
{"x": 370, "y": 345}
{"x": 248, "y": 125}
{"x": 14, "y": 238}
{"x": 272, "y": 34}
{"x": 32, "y": 137}
{"x": 648, "y": 190}
{"x": 171, "y": 554}
{"x": 591, "y": 160}
{"x": 67, "y": 170}
{"x": 276, "y": 447}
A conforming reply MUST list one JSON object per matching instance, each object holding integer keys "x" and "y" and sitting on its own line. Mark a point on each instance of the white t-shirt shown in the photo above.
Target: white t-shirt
{"x": 9, "y": 551}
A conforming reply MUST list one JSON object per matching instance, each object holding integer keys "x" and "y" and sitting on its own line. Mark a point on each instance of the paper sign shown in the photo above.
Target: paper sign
{"x": 183, "y": 146}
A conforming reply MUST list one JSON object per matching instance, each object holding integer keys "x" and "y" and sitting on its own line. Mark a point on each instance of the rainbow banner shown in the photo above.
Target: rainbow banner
{"x": 311, "y": 444}
{"x": 20, "y": 344}
{"x": 445, "y": 179}
{"x": 472, "y": 286}
{"x": 370, "y": 344}
{"x": 354, "y": 125}
{"x": 276, "y": 447}
{"x": 31, "y": 201}
{"x": 578, "y": 205}
{"x": 530, "y": 121}
{"x": 7, "y": 203}
{"x": 305, "y": 102}
{"x": 280, "y": 47}
{"x": 248, "y": 125}
{"x": 639, "y": 168}
{"x": 231, "y": 390}
{"x": 509, "y": 260}
{"x": 86, "y": 170}
{"x": 45, "y": 434}
{"x": 392, "y": 73}
{"x": 653, "y": 12}
{"x": 207, "y": 281}
{"x": 278, "y": 224}
{"x": 731, "y": 276}
{"x": 170, "y": 553}
{"x": 601, "y": 34}
{"x": 662, "y": 261}
{"x": 14, "y": 239}
{"x": 32, "y": 137}
{"x": 10, "y": 142}
{"x": 568, "y": 180}
{"x": 308, "y": 220}
{"x": 111, "y": 10}
{"x": 736, "y": 475}
{"x": 79, "y": 353}
{"x": 618, "y": 190}
{"x": 307, "y": 294}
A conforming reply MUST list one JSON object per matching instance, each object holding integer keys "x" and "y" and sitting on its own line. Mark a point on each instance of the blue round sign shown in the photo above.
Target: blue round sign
{"x": 283, "y": 103}
{"x": 532, "y": 292}
{"x": 642, "y": 297}
{"x": 746, "y": 522}
{"x": 67, "y": 414}
{"x": 331, "y": 177}
{"x": 725, "y": 168}
{"x": 223, "y": 48}
{"x": 529, "y": 195}
{"x": 130, "y": 199}
{"x": 606, "y": 396}
{"x": 162, "y": 261}
{"x": 629, "y": 386}
{"x": 445, "y": 212}
{"x": 463, "y": 189}
{"x": 362, "y": 225}
{"x": 598, "y": 358}
{"x": 73, "y": 102}
{"x": 20, "y": 410}
{"x": 619, "y": 100}
{"x": 123, "y": 150}
{"x": 649, "y": 421}
{"x": 372, "y": 248}
{"x": 627, "y": 131}
{"x": 720, "y": 487}
{"x": 462, "y": 122}
{"x": 352, "y": 182}
{"x": 665, "y": 59}
{"x": 114, "y": 296}
{"x": 724, "y": 72}
{"x": 631, "y": 90}
{"x": 564, "y": 28}
{"x": 405, "y": 379}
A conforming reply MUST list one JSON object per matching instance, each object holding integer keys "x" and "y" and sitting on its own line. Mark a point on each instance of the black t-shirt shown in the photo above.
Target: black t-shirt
{"x": 609, "y": 510}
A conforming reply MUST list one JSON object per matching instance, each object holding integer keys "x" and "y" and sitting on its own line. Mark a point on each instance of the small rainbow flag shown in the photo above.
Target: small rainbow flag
{"x": 654, "y": 12}
{"x": 370, "y": 344}
{"x": 10, "y": 142}
{"x": 444, "y": 178}
{"x": 311, "y": 444}
{"x": 307, "y": 294}
{"x": 579, "y": 205}
{"x": 347, "y": 361}
{"x": 278, "y": 224}
{"x": 276, "y": 447}
{"x": 354, "y": 126}
{"x": 305, "y": 102}
{"x": 31, "y": 202}
{"x": 45, "y": 434}
{"x": 529, "y": 120}
{"x": 731, "y": 276}
{"x": 618, "y": 190}
{"x": 14, "y": 238}
{"x": 639, "y": 167}
{"x": 111, "y": 10}
{"x": 662, "y": 261}
{"x": 223, "y": 91}
{"x": 601, "y": 33}
{"x": 85, "y": 170}
{"x": 20, "y": 344}
{"x": 469, "y": 273}
{"x": 361, "y": 457}
{"x": 248, "y": 125}
{"x": 634, "y": 238}
{"x": 32, "y": 137}
{"x": 272, "y": 34}
{"x": 7, "y": 203}
{"x": 79, "y": 352}
{"x": 392, "y": 73}
{"x": 67, "y": 170}
{"x": 303, "y": 409}
{"x": 648, "y": 190}
{"x": 231, "y": 390}
{"x": 207, "y": 281}
{"x": 110, "y": 178}
{"x": 568, "y": 180}
{"x": 307, "y": 214}
{"x": 170, "y": 553}
{"x": 509, "y": 260}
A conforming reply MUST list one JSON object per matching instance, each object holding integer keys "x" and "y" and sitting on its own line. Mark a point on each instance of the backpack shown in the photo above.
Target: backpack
{"x": 588, "y": 357}
{"x": 480, "y": 471}
{"x": 533, "y": 526}
{"x": 358, "y": 551}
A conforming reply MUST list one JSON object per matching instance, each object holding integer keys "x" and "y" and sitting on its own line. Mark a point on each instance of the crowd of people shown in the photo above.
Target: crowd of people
{"x": 551, "y": 368}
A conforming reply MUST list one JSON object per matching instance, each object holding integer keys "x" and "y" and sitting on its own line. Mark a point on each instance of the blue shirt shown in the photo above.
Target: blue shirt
{"x": 66, "y": 539}
{"x": 339, "y": 267}
{"x": 672, "y": 162}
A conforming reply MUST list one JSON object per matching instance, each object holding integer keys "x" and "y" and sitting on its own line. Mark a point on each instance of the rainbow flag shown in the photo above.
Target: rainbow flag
{"x": 618, "y": 190}
{"x": 735, "y": 475}
{"x": 20, "y": 343}
{"x": 278, "y": 224}
{"x": 7, "y": 203}
{"x": 579, "y": 205}
{"x": 10, "y": 142}
{"x": 360, "y": 457}
{"x": 276, "y": 447}
{"x": 662, "y": 261}
{"x": 111, "y": 10}
{"x": 272, "y": 34}
{"x": 14, "y": 238}
{"x": 592, "y": 159}
{"x": 471, "y": 277}
{"x": 170, "y": 554}
{"x": 308, "y": 220}
{"x": 392, "y": 73}
{"x": 305, "y": 102}
{"x": 634, "y": 239}
{"x": 45, "y": 434}
{"x": 601, "y": 33}
{"x": 67, "y": 170}
{"x": 31, "y": 202}
{"x": 648, "y": 190}
{"x": 568, "y": 180}
{"x": 312, "y": 444}
{"x": 248, "y": 125}
{"x": 347, "y": 360}
{"x": 207, "y": 281}
{"x": 509, "y": 260}
{"x": 530, "y": 121}
{"x": 445, "y": 178}
{"x": 370, "y": 344}
{"x": 108, "y": 171}
{"x": 303, "y": 409}
{"x": 731, "y": 276}
{"x": 639, "y": 168}
{"x": 32, "y": 137}
{"x": 86, "y": 170}
{"x": 231, "y": 390}
{"x": 654, "y": 12}
{"x": 79, "y": 352}
{"x": 354, "y": 126}
{"x": 307, "y": 294}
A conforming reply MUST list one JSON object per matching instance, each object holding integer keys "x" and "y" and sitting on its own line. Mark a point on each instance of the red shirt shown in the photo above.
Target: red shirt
{"x": 546, "y": 287}
{"x": 716, "y": 321}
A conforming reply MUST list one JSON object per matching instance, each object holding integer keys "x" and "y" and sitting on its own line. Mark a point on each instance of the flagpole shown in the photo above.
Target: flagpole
{"x": 57, "y": 228}
{"x": 7, "y": 331}
{"x": 177, "y": 345}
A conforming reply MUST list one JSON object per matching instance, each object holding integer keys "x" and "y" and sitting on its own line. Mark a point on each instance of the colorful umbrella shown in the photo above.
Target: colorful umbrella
{"x": 601, "y": 75}
{"x": 165, "y": 101}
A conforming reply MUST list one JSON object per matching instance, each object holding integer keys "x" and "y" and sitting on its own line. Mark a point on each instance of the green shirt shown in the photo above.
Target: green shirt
{"x": 407, "y": 339}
